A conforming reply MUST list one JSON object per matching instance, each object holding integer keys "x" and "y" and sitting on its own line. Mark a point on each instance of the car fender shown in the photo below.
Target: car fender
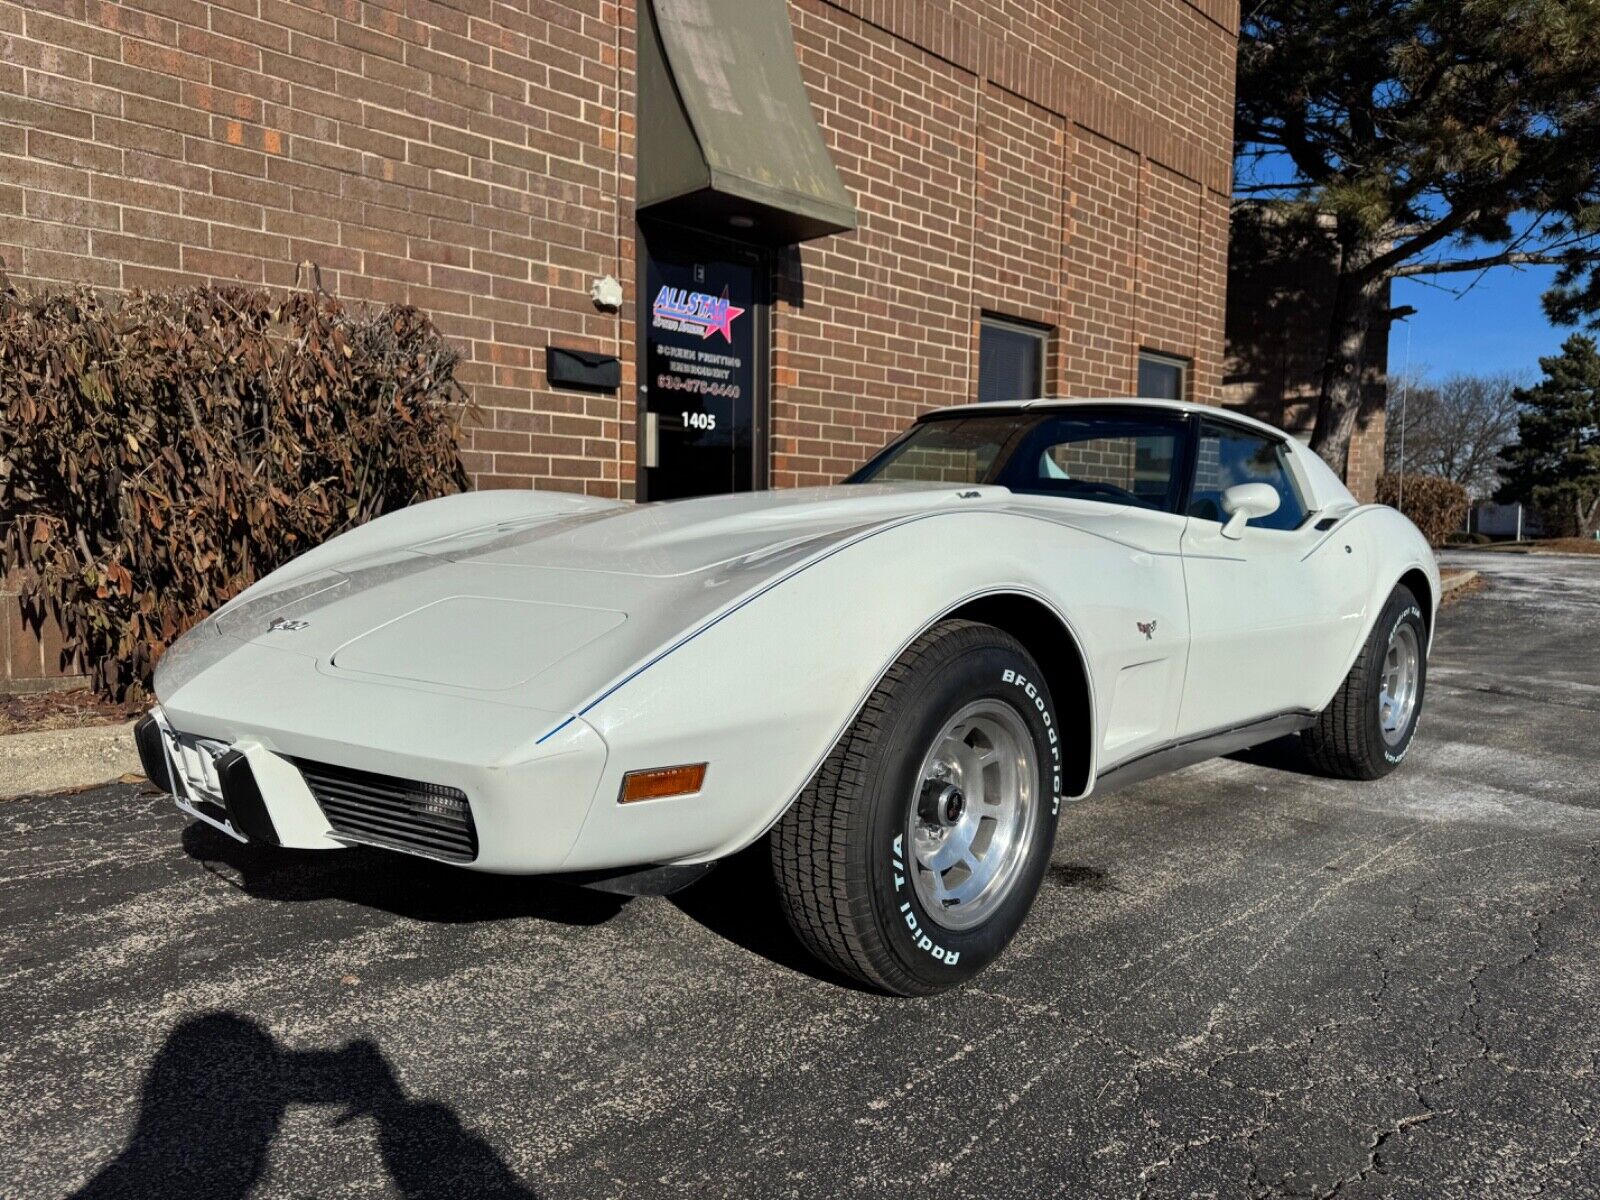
{"x": 1394, "y": 548}
{"x": 764, "y": 691}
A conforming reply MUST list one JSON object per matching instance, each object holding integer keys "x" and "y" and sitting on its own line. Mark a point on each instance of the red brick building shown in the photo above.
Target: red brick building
{"x": 1039, "y": 192}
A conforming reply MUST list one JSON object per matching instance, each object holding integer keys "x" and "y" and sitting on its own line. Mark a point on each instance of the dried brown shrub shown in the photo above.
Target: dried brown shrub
{"x": 1438, "y": 507}
{"x": 160, "y": 453}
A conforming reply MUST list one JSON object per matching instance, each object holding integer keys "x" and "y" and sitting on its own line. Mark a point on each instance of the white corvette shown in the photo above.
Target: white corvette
{"x": 895, "y": 681}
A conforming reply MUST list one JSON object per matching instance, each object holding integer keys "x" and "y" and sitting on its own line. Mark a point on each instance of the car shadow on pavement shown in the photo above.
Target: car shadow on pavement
{"x": 739, "y": 902}
{"x": 217, "y": 1091}
{"x": 402, "y": 885}
{"x": 1281, "y": 754}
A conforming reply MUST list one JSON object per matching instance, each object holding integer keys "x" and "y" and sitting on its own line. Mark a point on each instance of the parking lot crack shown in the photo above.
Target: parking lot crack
{"x": 1176, "y": 1150}
{"x": 1374, "y": 1163}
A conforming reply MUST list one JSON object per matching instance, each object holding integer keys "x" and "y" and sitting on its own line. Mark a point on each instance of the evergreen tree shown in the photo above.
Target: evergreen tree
{"x": 1431, "y": 138}
{"x": 1555, "y": 464}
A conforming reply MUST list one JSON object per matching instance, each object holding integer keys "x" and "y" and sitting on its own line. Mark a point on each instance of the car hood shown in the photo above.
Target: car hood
{"x": 681, "y": 537}
{"x": 540, "y": 610}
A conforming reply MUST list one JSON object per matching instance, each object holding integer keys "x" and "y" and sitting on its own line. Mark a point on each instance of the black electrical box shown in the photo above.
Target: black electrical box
{"x": 582, "y": 369}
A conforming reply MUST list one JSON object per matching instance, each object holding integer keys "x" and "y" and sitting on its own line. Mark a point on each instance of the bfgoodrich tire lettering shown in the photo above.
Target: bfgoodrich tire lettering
{"x": 846, "y": 853}
{"x": 1367, "y": 730}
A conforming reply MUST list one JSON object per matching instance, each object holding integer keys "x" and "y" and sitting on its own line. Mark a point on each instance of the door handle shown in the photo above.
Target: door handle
{"x": 651, "y": 437}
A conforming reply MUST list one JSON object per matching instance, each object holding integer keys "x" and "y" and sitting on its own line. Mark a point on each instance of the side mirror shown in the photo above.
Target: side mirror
{"x": 1245, "y": 502}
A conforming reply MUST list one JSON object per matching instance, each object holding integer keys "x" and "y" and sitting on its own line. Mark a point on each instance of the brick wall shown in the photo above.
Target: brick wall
{"x": 1066, "y": 163}
{"x": 1101, "y": 460}
{"x": 461, "y": 156}
{"x": 1062, "y": 161}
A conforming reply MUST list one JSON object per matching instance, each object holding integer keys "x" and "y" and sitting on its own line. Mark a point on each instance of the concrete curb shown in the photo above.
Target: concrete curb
{"x": 1518, "y": 551}
{"x": 61, "y": 760}
{"x": 1455, "y": 580}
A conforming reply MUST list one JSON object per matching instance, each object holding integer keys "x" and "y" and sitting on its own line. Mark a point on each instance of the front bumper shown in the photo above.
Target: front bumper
{"x": 521, "y": 818}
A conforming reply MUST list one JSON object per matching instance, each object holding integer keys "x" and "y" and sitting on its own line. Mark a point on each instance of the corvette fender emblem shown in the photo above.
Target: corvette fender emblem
{"x": 1148, "y": 628}
{"x": 285, "y": 625}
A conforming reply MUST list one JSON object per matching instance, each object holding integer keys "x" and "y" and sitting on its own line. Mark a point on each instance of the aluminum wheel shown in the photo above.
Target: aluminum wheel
{"x": 973, "y": 815}
{"x": 1398, "y": 683}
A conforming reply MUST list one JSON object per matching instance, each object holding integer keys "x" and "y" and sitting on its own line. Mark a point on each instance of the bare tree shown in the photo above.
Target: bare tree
{"x": 1454, "y": 427}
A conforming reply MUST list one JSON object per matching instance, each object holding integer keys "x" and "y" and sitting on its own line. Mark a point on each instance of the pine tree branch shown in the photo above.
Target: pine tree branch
{"x": 1510, "y": 258}
{"x": 1432, "y": 235}
{"x": 1253, "y": 189}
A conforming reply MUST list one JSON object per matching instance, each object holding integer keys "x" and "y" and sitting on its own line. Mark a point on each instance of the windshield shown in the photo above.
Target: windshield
{"x": 1134, "y": 459}
{"x": 963, "y": 450}
{"x": 1128, "y": 457}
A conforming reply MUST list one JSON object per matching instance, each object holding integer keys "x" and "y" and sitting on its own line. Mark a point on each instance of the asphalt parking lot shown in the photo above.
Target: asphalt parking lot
{"x": 1240, "y": 980}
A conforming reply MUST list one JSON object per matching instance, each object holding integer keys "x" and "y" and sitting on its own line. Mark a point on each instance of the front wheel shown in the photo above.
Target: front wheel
{"x": 912, "y": 857}
{"x": 1367, "y": 729}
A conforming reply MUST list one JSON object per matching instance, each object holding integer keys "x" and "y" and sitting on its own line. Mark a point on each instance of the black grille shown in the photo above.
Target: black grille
{"x": 398, "y": 814}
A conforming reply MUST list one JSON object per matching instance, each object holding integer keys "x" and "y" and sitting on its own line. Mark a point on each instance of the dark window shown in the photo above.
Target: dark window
{"x": 1010, "y": 361}
{"x": 1228, "y": 457}
{"x": 1112, "y": 459}
{"x": 1161, "y": 377}
{"x": 960, "y": 450}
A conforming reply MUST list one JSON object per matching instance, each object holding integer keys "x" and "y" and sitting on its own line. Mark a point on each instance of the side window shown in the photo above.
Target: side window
{"x": 1114, "y": 460}
{"x": 1231, "y": 456}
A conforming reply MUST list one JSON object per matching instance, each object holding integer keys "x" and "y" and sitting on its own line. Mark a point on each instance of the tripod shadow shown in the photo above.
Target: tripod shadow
{"x": 215, "y": 1096}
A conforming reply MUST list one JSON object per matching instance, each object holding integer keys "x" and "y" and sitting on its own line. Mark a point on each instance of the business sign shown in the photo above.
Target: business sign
{"x": 699, "y": 373}
{"x": 694, "y": 312}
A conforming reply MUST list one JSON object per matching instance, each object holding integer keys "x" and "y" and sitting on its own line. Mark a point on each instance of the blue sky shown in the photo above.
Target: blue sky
{"x": 1486, "y": 324}
{"x": 1496, "y": 326}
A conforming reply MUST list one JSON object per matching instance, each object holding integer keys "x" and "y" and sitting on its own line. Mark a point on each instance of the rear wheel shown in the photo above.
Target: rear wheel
{"x": 912, "y": 857}
{"x": 1367, "y": 730}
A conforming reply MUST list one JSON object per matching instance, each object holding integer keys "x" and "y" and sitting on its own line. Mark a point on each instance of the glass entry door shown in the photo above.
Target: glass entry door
{"x": 703, "y": 365}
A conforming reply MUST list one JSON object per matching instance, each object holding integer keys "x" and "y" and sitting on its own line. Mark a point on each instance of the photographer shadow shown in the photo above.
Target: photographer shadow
{"x": 216, "y": 1094}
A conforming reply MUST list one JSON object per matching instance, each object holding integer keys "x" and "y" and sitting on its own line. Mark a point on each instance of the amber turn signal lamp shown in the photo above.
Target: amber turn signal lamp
{"x": 662, "y": 782}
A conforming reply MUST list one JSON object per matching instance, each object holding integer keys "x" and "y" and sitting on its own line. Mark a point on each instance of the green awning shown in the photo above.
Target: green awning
{"x": 726, "y": 139}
